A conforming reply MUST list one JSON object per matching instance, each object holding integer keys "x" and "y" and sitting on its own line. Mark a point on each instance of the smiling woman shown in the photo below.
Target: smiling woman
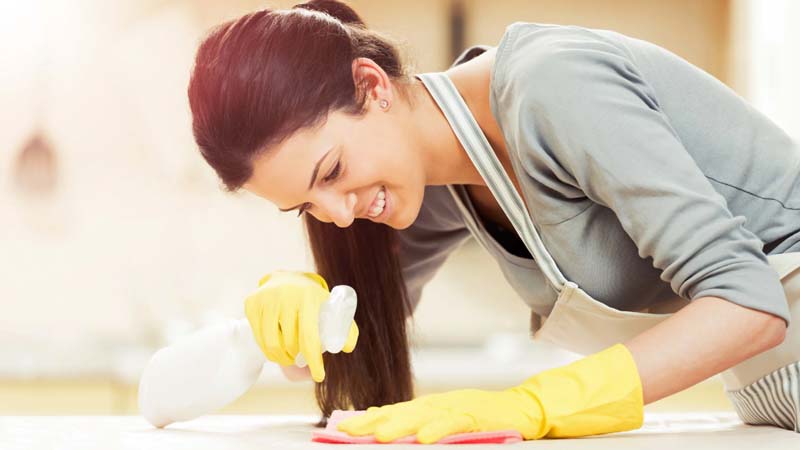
{"x": 619, "y": 166}
{"x": 314, "y": 133}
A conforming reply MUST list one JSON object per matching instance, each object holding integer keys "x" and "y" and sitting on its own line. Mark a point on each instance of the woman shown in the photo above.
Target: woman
{"x": 638, "y": 169}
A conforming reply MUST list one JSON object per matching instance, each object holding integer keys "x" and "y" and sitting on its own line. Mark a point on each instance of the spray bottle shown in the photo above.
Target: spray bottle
{"x": 208, "y": 369}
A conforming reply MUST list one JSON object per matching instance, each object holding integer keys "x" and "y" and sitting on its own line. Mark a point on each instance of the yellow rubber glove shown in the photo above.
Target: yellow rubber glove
{"x": 284, "y": 315}
{"x": 601, "y": 393}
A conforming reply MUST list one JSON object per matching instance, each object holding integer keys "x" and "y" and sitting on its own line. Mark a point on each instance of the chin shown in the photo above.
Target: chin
{"x": 401, "y": 225}
{"x": 405, "y": 217}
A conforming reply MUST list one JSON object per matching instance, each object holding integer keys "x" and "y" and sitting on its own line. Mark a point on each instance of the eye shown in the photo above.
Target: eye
{"x": 337, "y": 169}
{"x": 334, "y": 173}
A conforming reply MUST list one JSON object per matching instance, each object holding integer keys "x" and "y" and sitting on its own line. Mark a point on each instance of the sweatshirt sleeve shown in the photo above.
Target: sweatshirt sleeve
{"x": 584, "y": 103}
{"x": 425, "y": 245}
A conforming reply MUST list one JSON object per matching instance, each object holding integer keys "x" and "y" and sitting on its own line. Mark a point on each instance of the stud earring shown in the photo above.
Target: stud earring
{"x": 384, "y": 104}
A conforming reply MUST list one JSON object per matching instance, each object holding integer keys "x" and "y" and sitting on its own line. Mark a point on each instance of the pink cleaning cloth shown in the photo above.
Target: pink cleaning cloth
{"x": 330, "y": 435}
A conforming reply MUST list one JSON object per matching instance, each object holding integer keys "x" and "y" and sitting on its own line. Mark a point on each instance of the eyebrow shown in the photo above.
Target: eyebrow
{"x": 313, "y": 178}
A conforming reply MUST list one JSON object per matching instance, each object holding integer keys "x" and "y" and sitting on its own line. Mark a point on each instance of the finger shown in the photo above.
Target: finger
{"x": 445, "y": 426}
{"x": 352, "y": 338}
{"x": 362, "y": 424}
{"x": 270, "y": 328}
{"x": 289, "y": 337}
{"x": 310, "y": 345}
{"x": 400, "y": 424}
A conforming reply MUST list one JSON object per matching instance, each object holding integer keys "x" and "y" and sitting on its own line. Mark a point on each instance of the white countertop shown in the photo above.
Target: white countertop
{"x": 709, "y": 431}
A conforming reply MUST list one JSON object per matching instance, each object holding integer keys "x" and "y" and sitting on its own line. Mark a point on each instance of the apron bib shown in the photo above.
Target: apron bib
{"x": 763, "y": 389}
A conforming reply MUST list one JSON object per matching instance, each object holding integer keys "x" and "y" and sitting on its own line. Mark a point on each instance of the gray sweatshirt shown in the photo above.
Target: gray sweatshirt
{"x": 645, "y": 176}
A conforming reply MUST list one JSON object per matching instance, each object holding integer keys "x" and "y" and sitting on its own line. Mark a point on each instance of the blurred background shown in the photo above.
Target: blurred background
{"x": 117, "y": 238}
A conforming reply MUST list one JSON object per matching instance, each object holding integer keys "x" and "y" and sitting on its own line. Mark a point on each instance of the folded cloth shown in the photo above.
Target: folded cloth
{"x": 330, "y": 435}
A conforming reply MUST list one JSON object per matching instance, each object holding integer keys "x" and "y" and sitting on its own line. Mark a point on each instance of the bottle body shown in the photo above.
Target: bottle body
{"x": 208, "y": 369}
{"x": 200, "y": 373}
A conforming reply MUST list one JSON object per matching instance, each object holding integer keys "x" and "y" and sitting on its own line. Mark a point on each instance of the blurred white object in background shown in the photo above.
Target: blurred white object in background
{"x": 766, "y": 42}
{"x": 200, "y": 373}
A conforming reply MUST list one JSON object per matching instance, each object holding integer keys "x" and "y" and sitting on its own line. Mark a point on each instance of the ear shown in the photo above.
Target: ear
{"x": 372, "y": 82}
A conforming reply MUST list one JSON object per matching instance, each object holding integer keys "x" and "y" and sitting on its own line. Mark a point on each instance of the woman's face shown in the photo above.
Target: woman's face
{"x": 351, "y": 160}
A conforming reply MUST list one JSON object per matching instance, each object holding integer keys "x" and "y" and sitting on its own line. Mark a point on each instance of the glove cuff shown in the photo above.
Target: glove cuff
{"x": 601, "y": 393}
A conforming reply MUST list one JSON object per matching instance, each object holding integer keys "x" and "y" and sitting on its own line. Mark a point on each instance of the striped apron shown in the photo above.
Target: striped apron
{"x": 764, "y": 389}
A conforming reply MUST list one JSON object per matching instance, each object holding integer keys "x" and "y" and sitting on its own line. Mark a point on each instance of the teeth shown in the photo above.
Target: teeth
{"x": 378, "y": 204}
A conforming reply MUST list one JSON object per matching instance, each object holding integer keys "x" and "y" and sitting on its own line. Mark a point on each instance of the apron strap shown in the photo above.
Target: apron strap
{"x": 483, "y": 157}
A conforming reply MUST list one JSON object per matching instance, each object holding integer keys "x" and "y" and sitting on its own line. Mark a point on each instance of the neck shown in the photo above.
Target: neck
{"x": 444, "y": 158}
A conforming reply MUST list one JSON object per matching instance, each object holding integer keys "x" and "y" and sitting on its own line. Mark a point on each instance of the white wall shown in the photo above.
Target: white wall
{"x": 769, "y": 43}
{"x": 138, "y": 239}
{"x": 138, "y": 244}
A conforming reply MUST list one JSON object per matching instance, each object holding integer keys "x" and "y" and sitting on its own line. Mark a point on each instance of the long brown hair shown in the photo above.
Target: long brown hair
{"x": 258, "y": 79}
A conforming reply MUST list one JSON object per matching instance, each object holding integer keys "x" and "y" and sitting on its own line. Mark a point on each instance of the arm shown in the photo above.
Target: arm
{"x": 600, "y": 121}
{"x": 601, "y": 393}
{"x": 699, "y": 348}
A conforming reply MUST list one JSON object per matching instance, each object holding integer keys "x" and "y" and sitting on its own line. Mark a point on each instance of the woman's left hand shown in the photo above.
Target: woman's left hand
{"x": 601, "y": 393}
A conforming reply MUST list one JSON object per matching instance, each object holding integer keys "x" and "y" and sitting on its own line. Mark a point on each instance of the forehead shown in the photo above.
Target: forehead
{"x": 281, "y": 172}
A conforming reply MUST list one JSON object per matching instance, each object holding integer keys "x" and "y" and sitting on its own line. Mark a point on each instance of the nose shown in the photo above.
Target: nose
{"x": 342, "y": 210}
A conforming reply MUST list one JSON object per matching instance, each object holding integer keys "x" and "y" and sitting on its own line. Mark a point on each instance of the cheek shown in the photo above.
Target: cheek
{"x": 321, "y": 217}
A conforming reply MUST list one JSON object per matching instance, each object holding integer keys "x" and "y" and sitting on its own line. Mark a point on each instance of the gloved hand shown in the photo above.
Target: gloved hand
{"x": 284, "y": 315}
{"x": 601, "y": 393}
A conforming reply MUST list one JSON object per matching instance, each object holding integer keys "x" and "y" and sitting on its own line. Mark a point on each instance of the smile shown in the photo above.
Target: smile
{"x": 378, "y": 204}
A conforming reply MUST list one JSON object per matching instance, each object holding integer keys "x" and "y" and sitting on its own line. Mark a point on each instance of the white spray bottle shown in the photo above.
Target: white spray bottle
{"x": 208, "y": 369}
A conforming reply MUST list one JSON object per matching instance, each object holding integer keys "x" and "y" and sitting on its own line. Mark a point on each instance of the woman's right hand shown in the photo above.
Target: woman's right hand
{"x": 284, "y": 316}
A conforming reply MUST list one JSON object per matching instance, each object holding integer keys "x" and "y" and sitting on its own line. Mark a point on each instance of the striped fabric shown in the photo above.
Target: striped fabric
{"x": 771, "y": 400}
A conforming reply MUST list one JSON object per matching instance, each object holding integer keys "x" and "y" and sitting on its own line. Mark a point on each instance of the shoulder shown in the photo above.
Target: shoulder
{"x": 553, "y": 61}
{"x": 525, "y": 42}
{"x": 567, "y": 77}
